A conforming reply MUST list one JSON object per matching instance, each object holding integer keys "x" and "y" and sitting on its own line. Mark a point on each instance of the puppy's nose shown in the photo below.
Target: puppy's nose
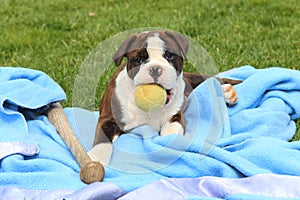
{"x": 155, "y": 72}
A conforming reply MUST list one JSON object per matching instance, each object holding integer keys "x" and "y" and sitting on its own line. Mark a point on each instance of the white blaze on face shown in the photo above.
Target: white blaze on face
{"x": 155, "y": 47}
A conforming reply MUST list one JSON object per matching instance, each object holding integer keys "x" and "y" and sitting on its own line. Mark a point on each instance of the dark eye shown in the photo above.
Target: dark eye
{"x": 169, "y": 55}
{"x": 137, "y": 60}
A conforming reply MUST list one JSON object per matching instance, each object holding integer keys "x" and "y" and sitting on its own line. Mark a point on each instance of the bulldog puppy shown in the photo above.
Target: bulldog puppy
{"x": 152, "y": 57}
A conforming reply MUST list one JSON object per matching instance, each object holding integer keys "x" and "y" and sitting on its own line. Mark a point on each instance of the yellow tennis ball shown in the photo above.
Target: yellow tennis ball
{"x": 150, "y": 97}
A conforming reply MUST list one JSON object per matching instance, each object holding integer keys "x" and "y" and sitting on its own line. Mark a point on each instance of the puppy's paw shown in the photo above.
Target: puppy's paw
{"x": 230, "y": 94}
{"x": 101, "y": 153}
{"x": 171, "y": 128}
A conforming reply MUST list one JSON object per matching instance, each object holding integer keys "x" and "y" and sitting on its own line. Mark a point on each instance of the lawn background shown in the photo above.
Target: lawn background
{"x": 56, "y": 36}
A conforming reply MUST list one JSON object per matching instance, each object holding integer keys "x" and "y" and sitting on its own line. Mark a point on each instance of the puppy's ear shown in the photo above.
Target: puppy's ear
{"x": 123, "y": 49}
{"x": 181, "y": 41}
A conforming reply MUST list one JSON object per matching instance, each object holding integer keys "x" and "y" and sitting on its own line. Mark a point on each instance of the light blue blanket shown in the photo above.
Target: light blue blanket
{"x": 32, "y": 154}
{"x": 247, "y": 139}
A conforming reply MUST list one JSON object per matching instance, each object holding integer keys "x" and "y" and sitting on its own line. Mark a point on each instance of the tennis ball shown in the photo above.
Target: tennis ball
{"x": 150, "y": 97}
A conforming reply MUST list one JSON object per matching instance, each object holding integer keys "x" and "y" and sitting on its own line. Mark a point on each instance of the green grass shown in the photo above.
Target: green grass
{"x": 56, "y": 36}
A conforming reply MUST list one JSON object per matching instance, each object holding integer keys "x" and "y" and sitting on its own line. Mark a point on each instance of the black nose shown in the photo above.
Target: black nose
{"x": 155, "y": 72}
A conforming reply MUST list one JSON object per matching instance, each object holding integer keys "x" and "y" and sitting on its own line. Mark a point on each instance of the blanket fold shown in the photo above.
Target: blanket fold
{"x": 33, "y": 155}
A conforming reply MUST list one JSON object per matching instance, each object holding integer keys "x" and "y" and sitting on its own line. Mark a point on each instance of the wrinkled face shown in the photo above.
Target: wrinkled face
{"x": 158, "y": 61}
{"x": 154, "y": 57}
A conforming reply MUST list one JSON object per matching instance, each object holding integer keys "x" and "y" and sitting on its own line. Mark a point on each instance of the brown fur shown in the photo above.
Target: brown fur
{"x": 108, "y": 126}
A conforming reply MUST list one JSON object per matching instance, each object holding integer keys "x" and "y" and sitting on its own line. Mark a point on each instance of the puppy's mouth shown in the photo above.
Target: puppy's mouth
{"x": 170, "y": 95}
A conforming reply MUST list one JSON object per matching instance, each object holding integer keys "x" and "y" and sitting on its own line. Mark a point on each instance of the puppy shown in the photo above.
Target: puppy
{"x": 152, "y": 57}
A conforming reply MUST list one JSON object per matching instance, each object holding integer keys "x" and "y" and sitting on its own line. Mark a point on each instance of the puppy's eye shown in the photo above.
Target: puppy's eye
{"x": 137, "y": 60}
{"x": 169, "y": 55}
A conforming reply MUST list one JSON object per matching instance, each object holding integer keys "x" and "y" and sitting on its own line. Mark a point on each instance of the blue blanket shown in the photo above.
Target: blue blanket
{"x": 233, "y": 142}
{"x": 247, "y": 139}
{"x": 32, "y": 153}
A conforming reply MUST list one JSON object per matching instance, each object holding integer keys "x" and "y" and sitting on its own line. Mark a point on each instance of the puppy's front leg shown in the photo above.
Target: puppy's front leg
{"x": 101, "y": 153}
{"x": 175, "y": 125}
{"x": 171, "y": 128}
{"x": 107, "y": 131}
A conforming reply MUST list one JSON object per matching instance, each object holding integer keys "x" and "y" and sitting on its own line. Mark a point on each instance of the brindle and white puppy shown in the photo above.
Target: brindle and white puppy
{"x": 152, "y": 57}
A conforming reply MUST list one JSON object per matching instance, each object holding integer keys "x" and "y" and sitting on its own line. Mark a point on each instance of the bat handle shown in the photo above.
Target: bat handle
{"x": 90, "y": 171}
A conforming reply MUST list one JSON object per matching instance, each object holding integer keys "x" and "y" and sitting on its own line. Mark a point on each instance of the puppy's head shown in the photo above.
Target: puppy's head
{"x": 154, "y": 57}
